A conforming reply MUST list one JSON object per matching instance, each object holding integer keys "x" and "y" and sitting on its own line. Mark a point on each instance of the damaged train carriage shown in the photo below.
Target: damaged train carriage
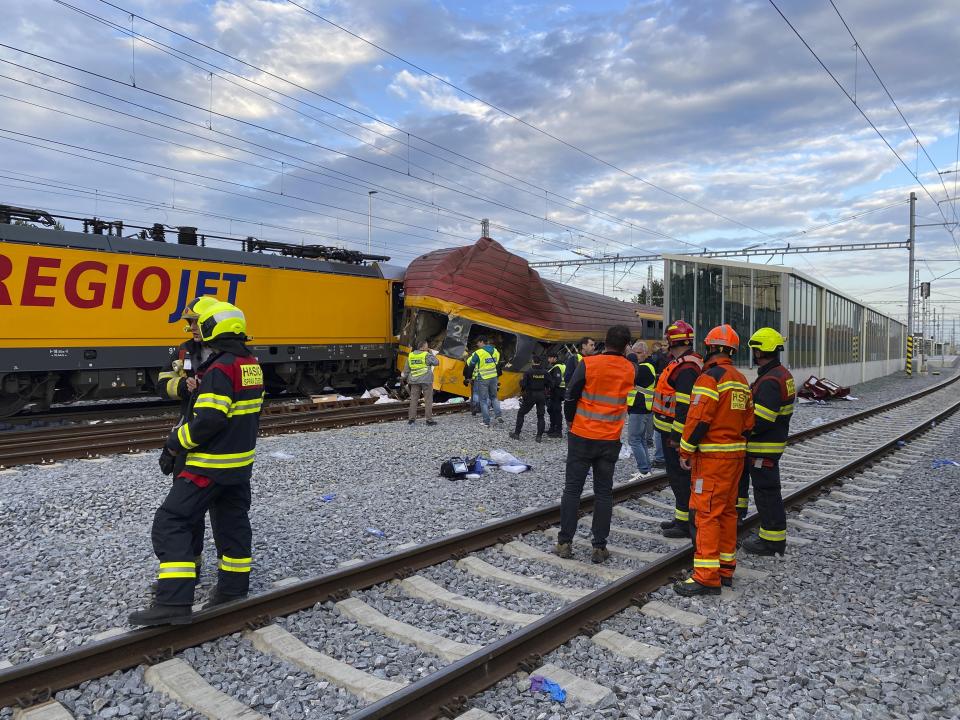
{"x": 457, "y": 295}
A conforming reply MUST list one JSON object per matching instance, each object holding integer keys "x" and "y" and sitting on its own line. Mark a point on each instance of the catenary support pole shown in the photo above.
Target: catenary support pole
{"x": 912, "y": 262}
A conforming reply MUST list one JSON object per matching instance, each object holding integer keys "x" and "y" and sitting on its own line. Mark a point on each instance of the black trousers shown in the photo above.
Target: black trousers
{"x": 174, "y": 543}
{"x": 765, "y": 474}
{"x": 679, "y": 480}
{"x": 530, "y": 400}
{"x": 582, "y": 455}
{"x": 199, "y": 528}
{"x": 555, "y": 413}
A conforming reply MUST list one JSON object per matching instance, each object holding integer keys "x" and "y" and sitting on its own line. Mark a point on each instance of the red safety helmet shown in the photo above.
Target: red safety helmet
{"x": 721, "y": 337}
{"x": 679, "y": 333}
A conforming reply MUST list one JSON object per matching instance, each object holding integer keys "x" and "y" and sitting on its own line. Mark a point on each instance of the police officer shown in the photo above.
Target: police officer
{"x": 774, "y": 393}
{"x": 712, "y": 449}
{"x": 535, "y": 384}
{"x": 557, "y": 387}
{"x": 180, "y": 382}
{"x": 418, "y": 374}
{"x": 596, "y": 405}
{"x": 671, "y": 401}
{"x": 219, "y": 443}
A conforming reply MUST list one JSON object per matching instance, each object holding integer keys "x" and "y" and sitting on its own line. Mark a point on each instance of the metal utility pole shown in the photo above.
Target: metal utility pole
{"x": 913, "y": 243}
{"x": 370, "y": 194}
{"x": 484, "y": 228}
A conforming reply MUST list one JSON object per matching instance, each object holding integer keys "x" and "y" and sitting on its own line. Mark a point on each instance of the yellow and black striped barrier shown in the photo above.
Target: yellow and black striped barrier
{"x": 909, "y": 355}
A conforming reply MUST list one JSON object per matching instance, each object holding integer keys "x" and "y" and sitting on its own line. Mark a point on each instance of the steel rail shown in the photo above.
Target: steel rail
{"x": 444, "y": 692}
{"x": 36, "y": 680}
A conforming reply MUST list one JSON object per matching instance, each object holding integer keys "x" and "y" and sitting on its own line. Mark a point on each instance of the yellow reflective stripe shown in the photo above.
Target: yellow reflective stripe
{"x": 681, "y": 515}
{"x": 765, "y": 412}
{"x": 664, "y": 425}
{"x": 246, "y": 407}
{"x": 706, "y": 391}
{"x": 183, "y": 435}
{"x": 732, "y": 385}
{"x": 631, "y": 398}
{"x": 677, "y": 425}
{"x": 213, "y": 406}
{"x": 684, "y": 445}
{"x": 728, "y": 557}
{"x": 705, "y": 563}
{"x": 240, "y": 565}
{"x": 743, "y": 502}
{"x": 214, "y": 399}
{"x": 766, "y": 446}
{"x": 773, "y": 535}
{"x": 682, "y": 398}
{"x": 221, "y": 460}
{"x": 181, "y": 569}
{"x": 786, "y": 409}
{"x": 723, "y": 447}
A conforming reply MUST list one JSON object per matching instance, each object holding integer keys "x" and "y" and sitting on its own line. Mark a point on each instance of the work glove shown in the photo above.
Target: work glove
{"x": 167, "y": 461}
{"x": 466, "y": 383}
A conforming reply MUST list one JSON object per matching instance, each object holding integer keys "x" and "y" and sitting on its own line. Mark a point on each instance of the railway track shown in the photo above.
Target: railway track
{"x": 815, "y": 459}
{"x": 88, "y": 441}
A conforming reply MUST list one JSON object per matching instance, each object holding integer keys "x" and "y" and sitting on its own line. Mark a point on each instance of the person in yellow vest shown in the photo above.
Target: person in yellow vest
{"x": 418, "y": 374}
{"x": 486, "y": 362}
{"x": 597, "y": 406}
{"x": 640, "y": 404}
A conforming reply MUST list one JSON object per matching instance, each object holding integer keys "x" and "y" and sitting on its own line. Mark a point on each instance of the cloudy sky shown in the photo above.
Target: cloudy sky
{"x": 584, "y": 128}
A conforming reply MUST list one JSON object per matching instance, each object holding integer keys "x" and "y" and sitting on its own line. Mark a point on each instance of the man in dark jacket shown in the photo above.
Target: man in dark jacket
{"x": 535, "y": 384}
{"x": 219, "y": 442}
{"x": 557, "y": 388}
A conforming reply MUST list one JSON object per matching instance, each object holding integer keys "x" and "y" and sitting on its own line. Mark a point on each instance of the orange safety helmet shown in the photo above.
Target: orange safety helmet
{"x": 679, "y": 333}
{"x": 721, "y": 337}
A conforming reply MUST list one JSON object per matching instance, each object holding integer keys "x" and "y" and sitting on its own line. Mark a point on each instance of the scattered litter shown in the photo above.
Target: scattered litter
{"x": 455, "y": 467}
{"x": 472, "y": 476}
{"x": 510, "y": 404}
{"x": 901, "y": 443}
{"x": 328, "y": 497}
{"x": 821, "y": 389}
{"x": 455, "y": 401}
{"x": 375, "y": 532}
{"x": 508, "y": 462}
{"x": 538, "y": 683}
{"x": 809, "y": 401}
{"x": 280, "y": 455}
{"x": 381, "y": 400}
{"x": 944, "y": 463}
{"x": 344, "y": 397}
{"x": 850, "y": 397}
{"x": 817, "y": 421}
{"x": 378, "y": 392}
{"x": 625, "y": 451}
{"x": 366, "y": 394}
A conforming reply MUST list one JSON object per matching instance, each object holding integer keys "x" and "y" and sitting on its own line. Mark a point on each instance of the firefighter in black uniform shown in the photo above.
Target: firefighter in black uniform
{"x": 180, "y": 382}
{"x": 557, "y": 389}
{"x": 534, "y": 384}
{"x": 219, "y": 443}
{"x": 774, "y": 393}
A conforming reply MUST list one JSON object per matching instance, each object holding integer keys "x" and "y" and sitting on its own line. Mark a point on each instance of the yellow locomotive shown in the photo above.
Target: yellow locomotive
{"x": 87, "y": 315}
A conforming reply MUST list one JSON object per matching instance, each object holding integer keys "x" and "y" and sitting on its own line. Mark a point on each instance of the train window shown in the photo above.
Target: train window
{"x": 505, "y": 342}
{"x": 430, "y": 326}
{"x": 397, "y": 315}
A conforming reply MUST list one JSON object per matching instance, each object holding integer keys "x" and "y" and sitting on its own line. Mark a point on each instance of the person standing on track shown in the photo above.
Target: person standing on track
{"x": 640, "y": 402}
{"x": 555, "y": 396}
{"x": 471, "y": 374}
{"x": 418, "y": 374}
{"x": 712, "y": 449}
{"x": 219, "y": 442}
{"x": 671, "y": 401}
{"x": 180, "y": 383}
{"x": 659, "y": 360}
{"x": 486, "y": 362}
{"x": 774, "y": 393}
{"x": 534, "y": 384}
{"x": 597, "y": 406}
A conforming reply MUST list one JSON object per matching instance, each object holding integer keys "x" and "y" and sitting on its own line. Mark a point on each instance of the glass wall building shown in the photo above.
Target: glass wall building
{"x": 829, "y": 334}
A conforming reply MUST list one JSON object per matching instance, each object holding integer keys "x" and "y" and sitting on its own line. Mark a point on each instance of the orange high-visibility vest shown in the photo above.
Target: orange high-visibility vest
{"x": 602, "y": 407}
{"x": 665, "y": 395}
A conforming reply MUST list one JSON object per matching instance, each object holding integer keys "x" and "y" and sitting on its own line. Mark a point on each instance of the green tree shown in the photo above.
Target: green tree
{"x": 657, "y": 298}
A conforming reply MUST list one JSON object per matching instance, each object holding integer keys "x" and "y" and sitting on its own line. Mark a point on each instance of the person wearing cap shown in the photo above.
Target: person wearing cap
{"x": 712, "y": 449}
{"x": 640, "y": 404}
{"x": 219, "y": 444}
{"x": 557, "y": 388}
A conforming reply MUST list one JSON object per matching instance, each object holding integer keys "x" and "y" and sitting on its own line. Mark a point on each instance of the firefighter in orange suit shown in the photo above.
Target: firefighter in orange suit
{"x": 713, "y": 447}
{"x": 671, "y": 401}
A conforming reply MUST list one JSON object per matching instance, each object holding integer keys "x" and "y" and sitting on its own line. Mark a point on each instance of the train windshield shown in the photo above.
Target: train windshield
{"x": 420, "y": 325}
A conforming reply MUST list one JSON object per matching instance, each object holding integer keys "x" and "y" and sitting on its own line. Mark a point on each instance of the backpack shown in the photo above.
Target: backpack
{"x": 454, "y": 468}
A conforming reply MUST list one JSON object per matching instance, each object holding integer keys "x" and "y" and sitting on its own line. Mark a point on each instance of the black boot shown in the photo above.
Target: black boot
{"x": 515, "y": 435}
{"x": 162, "y": 615}
{"x": 539, "y": 438}
{"x": 218, "y": 598}
{"x": 758, "y": 546}
{"x": 726, "y": 582}
{"x": 667, "y": 524}
{"x": 677, "y": 530}
{"x": 691, "y": 588}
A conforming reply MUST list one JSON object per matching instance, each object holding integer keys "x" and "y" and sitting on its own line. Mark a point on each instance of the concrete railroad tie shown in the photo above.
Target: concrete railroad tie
{"x": 50, "y": 710}
{"x": 274, "y": 640}
{"x": 526, "y": 552}
{"x": 626, "y": 647}
{"x": 420, "y": 587}
{"x": 658, "y": 609}
{"x": 178, "y": 680}
{"x": 450, "y": 650}
{"x": 615, "y": 550}
{"x": 483, "y": 569}
{"x": 578, "y": 689}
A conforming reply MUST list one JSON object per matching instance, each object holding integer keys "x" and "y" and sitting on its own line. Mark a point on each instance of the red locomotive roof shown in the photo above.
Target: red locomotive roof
{"x": 487, "y": 277}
